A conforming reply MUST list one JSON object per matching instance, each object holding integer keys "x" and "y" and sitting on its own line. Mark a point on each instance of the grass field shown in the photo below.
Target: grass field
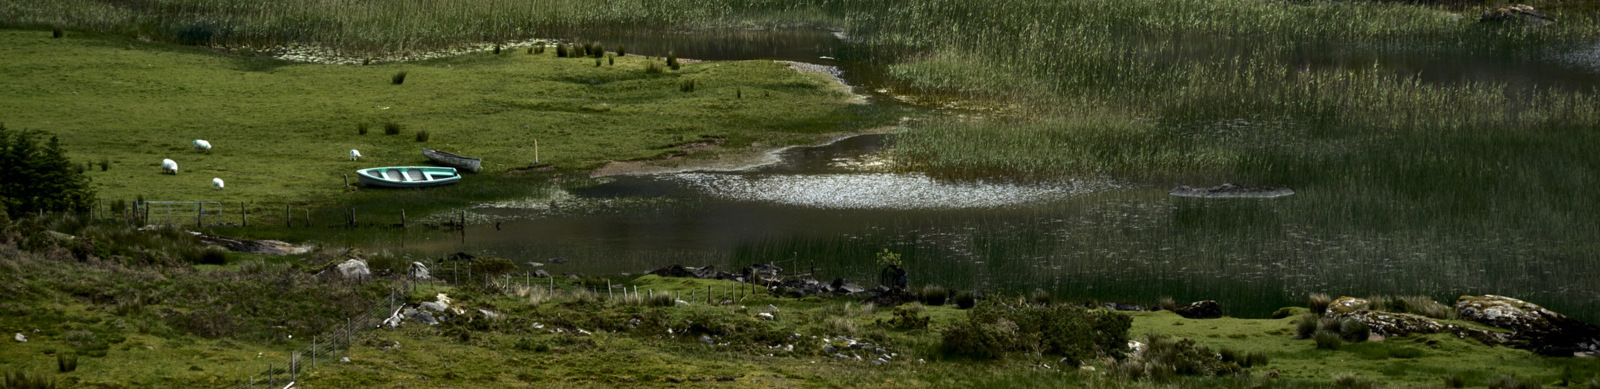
{"x": 281, "y": 131}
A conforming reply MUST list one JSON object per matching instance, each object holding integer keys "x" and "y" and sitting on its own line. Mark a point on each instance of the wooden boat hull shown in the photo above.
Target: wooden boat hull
{"x": 456, "y": 161}
{"x": 407, "y": 176}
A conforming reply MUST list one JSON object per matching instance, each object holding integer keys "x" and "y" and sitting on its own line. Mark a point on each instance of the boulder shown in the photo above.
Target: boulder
{"x": 558, "y": 260}
{"x": 1391, "y": 324}
{"x": 1347, "y": 304}
{"x": 1515, "y": 13}
{"x": 541, "y": 273}
{"x": 885, "y": 296}
{"x": 424, "y": 317}
{"x": 418, "y": 271}
{"x": 21, "y": 338}
{"x": 711, "y": 272}
{"x": 1534, "y": 328}
{"x": 354, "y": 269}
{"x": 394, "y": 319}
{"x": 1124, "y": 307}
{"x": 1203, "y": 309}
{"x": 762, "y": 273}
{"x": 673, "y": 271}
{"x": 845, "y": 287}
{"x": 893, "y": 276}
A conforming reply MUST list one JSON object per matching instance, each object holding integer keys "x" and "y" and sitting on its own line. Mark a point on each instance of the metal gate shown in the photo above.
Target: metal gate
{"x": 177, "y": 213}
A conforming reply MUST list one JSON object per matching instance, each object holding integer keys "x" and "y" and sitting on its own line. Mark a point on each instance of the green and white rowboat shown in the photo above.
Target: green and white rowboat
{"x": 407, "y": 176}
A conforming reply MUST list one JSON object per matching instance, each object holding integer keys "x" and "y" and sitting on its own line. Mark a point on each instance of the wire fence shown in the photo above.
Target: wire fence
{"x": 331, "y": 346}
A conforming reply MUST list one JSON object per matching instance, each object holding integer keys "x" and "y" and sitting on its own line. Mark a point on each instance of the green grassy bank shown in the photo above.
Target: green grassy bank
{"x": 281, "y": 131}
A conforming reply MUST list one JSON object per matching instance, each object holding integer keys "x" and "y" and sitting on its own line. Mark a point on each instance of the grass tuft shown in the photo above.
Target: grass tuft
{"x": 622, "y": 50}
{"x": 66, "y": 362}
{"x": 361, "y": 128}
{"x": 652, "y": 68}
{"x": 56, "y": 32}
{"x": 934, "y": 295}
{"x": 1319, "y": 303}
{"x": 422, "y": 136}
{"x": 19, "y": 379}
{"x": 391, "y": 128}
{"x": 672, "y": 60}
{"x": 398, "y": 78}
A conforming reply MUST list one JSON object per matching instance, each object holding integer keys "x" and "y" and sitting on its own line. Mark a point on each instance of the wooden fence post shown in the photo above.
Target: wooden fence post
{"x": 243, "y": 222}
{"x": 288, "y": 216}
{"x": 199, "y": 215}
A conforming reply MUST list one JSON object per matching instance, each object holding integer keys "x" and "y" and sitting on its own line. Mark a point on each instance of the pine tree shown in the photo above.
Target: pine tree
{"x": 39, "y": 178}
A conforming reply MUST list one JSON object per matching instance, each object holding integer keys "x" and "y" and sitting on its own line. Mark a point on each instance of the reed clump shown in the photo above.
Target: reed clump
{"x": 422, "y": 136}
{"x": 398, "y": 78}
{"x": 391, "y": 128}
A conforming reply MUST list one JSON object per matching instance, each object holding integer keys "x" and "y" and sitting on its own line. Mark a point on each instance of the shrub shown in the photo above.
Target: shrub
{"x": 422, "y": 136}
{"x": 597, "y": 62}
{"x": 56, "y": 32}
{"x": 66, "y": 362}
{"x": 1184, "y": 357}
{"x": 496, "y": 49}
{"x": 652, "y": 68}
{"x": 1319, "y": 303}
{"x": 399, "y": 78}
{"x": 1353, "y": 331}
{"x": 909, "y": 317}
{"x": 597, "y": 51}
{"x": 934, "y": 295}
{"x": 995, "y": 327}
{"x": 1167, "y": 304}
{"x": 1040, "y": 297}
{"x": 391, "y": 128}
{"x": 361, "y": 128}
{"x": 1306, "y": 326}
{"x": 20, "y": 379}
{"x": 611, "y": 61}
{"x": 1327, "y": 340}
{"x": 622, "y": 50}
{"x": 530, "y": 50}
{"x": 672, "y": 60}
{"x": 539, "y": 49}
{"x": 561, "y": 50}
{"x": 965, "y": 300}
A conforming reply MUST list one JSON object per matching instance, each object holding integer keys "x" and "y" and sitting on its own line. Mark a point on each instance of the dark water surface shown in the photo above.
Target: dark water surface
{"x": 832, "y": 207}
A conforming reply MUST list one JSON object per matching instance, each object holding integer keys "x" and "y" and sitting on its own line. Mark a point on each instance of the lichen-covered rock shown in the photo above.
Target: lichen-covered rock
{"x": 1203, "y": 309}
{"x": 1535, "y": 328}
{"x": 1347, "y": 304}
{"x": 1391, "y": 324}
{"x": 418, "y": 271}
{"x": 355, "y": 269}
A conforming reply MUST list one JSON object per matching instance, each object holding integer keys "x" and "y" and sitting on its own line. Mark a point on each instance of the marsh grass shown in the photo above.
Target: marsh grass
{"x": 422, "y": 136}
{"x": 391, "y": 128}
{"x": 361, "y": 128}
{"x": 398, "y": 78}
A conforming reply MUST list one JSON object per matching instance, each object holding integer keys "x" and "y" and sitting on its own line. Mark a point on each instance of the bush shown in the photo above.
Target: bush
{"x": 1040, "y": 297}
{"x": 19, "y": 379}
{"x": 1306, "y": 326}
{"x": 611, "y": 61}
{"x": 908, "y": 317}
{"x": 597, "y": 62}
{"x": 56, "y": 32}
{"x": 672, "y": 60}
{"x": 496, "y": 49}
{"x": 561, "y": 50}
{"x": 398, "y": 78}
{"x": 361, "y": 128}
{"x": 934, "y": 295}
{"x": 966, "y": 300}
{"x": 391, "y": 128}
{"x": 66, "y": 362}
{"x": 622, "y": 50}
{"x": 1327, "y": 340}
{"x": 1319, "y": 303}
{"x": 1184, "y": 357}
{"x": 1354, "y": 331}
{"x": 597, "y": 51}
{"x": 994, "y": 327}
{"x": 422, "y": 136}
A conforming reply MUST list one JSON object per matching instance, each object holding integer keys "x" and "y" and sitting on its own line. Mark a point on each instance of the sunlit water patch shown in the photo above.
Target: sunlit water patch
{"x": 880, "y": 190}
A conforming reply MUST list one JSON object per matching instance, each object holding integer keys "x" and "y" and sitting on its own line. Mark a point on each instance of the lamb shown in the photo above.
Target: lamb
{"x": 354, "y": 155}
{"x": 216, "y": 183}
{"x": 169, "y": 166}
{"x": 202, "y": 146}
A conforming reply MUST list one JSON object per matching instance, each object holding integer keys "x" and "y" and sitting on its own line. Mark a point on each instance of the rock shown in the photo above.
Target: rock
{"x": 1516, "y": 13}
{"x": 1203, "y": 309}
{"x": 264, "y": 247}
{"x": 558, "y": 260}
{"x": 345, "y": 359}
{"x": 534, "y": 264}
{"x": 673, "y": 271}
{"x": 21, "y": 338}
{"x": 1124, "y": 307}
{"x": 575, "y": 276}
{"x": 418, "y": 271}
{"x": 434, "y": 306}
{"x": 762, "y": 273}
{"x": 774, "y": 309}
{"x": 884, "y": 296}
{"x": 489, "y": 314}
{"x": 845, "y": 287}
{"x": 893, "y": 276}
{"x": 1347, "y": 304}
{"x": 711, "y": 272}
{"x": 765, "y": 315}
{"x": 1534, "y": 328}
{"x": 826, "y": 348}
{"x": 394, "y": 319}
{"x": 354, "y": 269}
{"x": 541, "y": 273}
{"x": 1390, "y": 324}
{"x": 706, "y": 339}
{"x": 1231, "y": 191}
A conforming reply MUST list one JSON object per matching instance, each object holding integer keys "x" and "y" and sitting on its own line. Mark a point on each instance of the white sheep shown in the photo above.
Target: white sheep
{"x": 201, "y": 146}
{"x": 354, "y": 155}
{"x": 169, "y": 166}
{"x": 216, "y": 183}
